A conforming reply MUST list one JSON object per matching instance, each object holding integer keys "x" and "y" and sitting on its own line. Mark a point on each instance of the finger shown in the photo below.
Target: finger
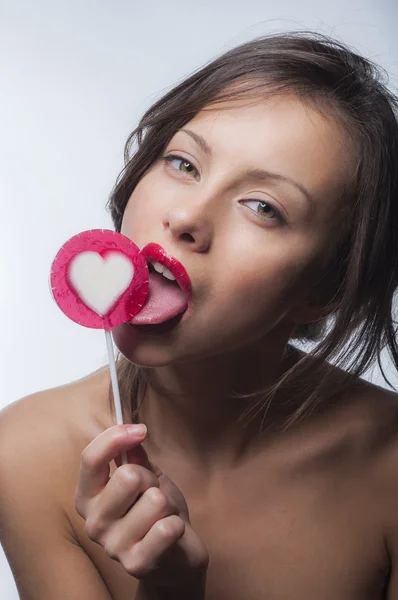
{"x": 144, "y": 556}
{"x": 192, "y": 547}
{"x": 136, "y": 456}
{"x": 151, "y": 507}
{"x": 127, "y": 483}
{"x": 95, "y": 458}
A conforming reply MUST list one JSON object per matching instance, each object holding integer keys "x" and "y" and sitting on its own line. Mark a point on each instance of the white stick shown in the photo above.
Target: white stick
{"x": 115, "y": 386}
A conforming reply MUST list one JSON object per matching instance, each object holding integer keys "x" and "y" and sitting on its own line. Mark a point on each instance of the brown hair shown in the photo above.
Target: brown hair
{"x": 359, "y": 275}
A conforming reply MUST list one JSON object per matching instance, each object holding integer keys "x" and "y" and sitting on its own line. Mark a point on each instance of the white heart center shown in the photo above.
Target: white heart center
{"x": 100, "y": 281}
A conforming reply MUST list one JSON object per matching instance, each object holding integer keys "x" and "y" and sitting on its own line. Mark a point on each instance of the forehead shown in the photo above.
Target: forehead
{"x": 280, "y": 134}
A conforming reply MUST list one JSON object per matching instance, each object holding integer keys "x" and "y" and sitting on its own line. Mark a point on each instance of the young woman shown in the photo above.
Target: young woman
{"x": 268, "y": 181}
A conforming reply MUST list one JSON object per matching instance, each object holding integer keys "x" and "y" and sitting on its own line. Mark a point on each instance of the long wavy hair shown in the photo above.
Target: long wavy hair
{"x": 358, "y": 274}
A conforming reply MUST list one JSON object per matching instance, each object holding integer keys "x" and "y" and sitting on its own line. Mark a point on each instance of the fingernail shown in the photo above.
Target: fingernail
{"x": 139, "y": 430}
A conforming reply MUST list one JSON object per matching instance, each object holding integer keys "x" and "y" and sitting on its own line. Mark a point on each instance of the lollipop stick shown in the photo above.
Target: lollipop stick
{"x": 115, "y": 386}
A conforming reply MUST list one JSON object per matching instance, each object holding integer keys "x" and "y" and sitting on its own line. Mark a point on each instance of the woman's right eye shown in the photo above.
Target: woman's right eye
{"x": 184, "y": 167}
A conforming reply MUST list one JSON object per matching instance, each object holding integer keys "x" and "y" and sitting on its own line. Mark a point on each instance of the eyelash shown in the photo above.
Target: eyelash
{"x": 169, "y": 157}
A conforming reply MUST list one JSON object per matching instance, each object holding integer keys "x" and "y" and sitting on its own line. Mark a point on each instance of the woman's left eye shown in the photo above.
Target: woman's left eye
{"x": 266, "y": 209}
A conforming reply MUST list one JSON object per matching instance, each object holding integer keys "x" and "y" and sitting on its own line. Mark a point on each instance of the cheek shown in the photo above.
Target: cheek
{"x": 254, "y": 295}
{"x": 140, "y": 210}
{"x": 248, "y": 302}
{"x": 133, "y": 217}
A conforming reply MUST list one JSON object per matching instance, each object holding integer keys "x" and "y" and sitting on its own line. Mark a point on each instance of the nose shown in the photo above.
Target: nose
{"x": 190, "y": 225}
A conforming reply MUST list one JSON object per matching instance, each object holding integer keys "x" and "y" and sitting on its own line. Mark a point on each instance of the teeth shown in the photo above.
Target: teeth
{"x": 158, "y": 267}
{"x": 162, "y": 269}
{"x": 168, "y": 274}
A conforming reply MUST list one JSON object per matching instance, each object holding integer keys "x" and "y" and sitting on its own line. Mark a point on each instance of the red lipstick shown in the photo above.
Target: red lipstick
{"x": 155, "y": 253}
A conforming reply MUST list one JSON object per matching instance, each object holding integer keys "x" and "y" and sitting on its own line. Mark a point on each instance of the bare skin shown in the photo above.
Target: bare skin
{"x": 306, "y": 518}
{"x": 250, "y": 270}
{"x": 307, "y": 514}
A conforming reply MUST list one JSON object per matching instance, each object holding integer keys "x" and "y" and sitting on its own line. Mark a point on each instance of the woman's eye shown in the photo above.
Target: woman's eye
{"x": 265, "y": 209}
{"x": 184, "y": 165}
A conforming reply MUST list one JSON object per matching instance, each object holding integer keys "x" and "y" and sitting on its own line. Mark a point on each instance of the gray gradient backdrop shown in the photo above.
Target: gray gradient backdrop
{"x": 75, "y": 77}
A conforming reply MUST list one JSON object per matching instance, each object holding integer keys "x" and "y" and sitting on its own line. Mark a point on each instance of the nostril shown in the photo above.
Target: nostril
{"x": 187, "y": 237}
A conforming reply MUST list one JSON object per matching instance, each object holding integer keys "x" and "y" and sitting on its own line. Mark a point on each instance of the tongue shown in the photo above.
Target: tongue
{"x": 165, "y": 300}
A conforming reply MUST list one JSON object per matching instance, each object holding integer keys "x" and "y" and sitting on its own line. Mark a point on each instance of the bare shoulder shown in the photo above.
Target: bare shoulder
{"x": 367, "y": 415}
{"x": 52, "y": 427}
{"x": 77, "y": 409}
{"x": 371, "y": 417}
{"x": 377, "y": 411}
{"x": 41, "y": 439}
{"x": 372, "y": 412}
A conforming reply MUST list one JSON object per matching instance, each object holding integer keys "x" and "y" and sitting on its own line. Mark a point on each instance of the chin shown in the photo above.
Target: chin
{"x": 145, "y": 352}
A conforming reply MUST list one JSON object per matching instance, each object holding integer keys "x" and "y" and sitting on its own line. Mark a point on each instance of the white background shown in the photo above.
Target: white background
{"x": 74, "y": 79}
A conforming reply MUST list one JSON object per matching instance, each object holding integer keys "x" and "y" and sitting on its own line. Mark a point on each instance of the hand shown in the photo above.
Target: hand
{"x": 138, "y": 516}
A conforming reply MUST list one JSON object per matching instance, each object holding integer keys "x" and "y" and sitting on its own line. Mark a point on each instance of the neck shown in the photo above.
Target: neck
{"x": 191, "y": 409}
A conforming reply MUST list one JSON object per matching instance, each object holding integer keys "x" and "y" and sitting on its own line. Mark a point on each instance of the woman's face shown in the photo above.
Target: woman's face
{"x": 244, "y": 237}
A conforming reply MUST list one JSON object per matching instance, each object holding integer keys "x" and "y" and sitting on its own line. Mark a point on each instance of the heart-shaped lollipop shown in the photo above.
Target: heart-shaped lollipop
{"x": 100, "y": 279}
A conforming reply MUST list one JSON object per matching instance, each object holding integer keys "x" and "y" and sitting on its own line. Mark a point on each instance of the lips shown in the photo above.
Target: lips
{"x": 155, "y": 253}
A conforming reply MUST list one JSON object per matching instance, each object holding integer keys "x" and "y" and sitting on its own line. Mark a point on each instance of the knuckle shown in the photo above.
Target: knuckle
{"x": 157, "y": 498}
{"x": 94, "y": 528}
{"x": 128, "y": 475}
{"x": 87, "y": 458}
{"x": 110, "y": 549}
{"x": 170, "y": 528}
{"x": 135, "y": 566}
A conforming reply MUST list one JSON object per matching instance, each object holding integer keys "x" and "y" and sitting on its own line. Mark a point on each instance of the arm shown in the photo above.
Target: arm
{"x": 34, "y": 530}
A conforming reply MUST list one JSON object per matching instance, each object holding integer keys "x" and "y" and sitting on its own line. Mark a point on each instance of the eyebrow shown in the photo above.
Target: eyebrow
{"x": 258, "y": 174}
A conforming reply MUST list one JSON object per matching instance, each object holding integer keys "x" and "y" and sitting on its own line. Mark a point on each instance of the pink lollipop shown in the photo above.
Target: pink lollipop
{"x": 100, "y": 279}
